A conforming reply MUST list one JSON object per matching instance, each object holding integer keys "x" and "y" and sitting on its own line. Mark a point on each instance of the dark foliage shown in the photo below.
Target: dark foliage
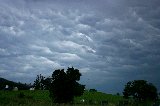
{"x": 21, "y": 95}
{"x": 38, "y": 82}
{"x": 46, "y": 83}
{"x": 92, "y": 90}
{"x": 123, "y": 103}
{"x": 104, "y": 103}
{"x": 64, "y": 85}
{"x": 118, "y": 94}
{"x": 140, "y": 90}
{"x": 4, "y": 82}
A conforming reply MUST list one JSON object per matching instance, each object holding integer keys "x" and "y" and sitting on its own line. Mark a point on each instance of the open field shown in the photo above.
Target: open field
{"x": 41, "y": 98}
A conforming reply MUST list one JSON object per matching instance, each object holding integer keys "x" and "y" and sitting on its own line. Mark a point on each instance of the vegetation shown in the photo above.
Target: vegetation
{"x": 63, "y": 89}
{"x": 38, "y": 82}
{"x": 24, "y": 98}
{"x": 4, "y": 82}
{"x": 41, "y": 98}
{"x": 92, "y": 90}
{"x": 140, "y": 90}
{"x": 64, "y": 86}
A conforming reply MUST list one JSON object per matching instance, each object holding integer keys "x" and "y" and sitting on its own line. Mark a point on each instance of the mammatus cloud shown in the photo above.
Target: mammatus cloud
{"x": 111, "y": 42}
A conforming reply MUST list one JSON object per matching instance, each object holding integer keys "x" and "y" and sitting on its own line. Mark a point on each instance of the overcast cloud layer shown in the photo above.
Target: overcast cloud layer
{"x": 110, "y": 41}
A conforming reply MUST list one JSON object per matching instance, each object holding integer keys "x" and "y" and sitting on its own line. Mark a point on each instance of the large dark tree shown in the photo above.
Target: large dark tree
{"x": 140, "y": 90}
{"x": 47, "y": 83}
{"x": 64, "y": 86}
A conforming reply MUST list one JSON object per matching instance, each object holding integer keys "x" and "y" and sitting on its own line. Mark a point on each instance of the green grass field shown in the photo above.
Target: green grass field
{"x": 41, "y": 98}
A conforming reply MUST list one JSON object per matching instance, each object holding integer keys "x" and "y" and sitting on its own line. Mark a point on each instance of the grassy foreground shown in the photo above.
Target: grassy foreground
{"x": 41, "y": 98}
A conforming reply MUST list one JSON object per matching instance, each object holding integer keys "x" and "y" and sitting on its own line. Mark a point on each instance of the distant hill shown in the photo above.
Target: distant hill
{"x": 4, "y": 82}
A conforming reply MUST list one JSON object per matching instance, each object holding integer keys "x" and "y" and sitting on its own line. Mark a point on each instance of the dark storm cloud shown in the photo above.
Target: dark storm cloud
{"x": 110, "y": 41}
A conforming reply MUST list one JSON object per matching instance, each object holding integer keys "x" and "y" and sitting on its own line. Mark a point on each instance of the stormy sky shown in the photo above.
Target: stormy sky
{"x": 111, "y": 42}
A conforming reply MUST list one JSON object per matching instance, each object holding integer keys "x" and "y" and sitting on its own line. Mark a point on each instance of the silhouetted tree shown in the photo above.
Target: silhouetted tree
{"x": 118, "y": 94}
{"x": 140, "y": 90}
{"x": 92, "y": 90}
{"x": 64, "y": 85}
{"x": 38, "y": 82}
{"x": 47, "y": 83}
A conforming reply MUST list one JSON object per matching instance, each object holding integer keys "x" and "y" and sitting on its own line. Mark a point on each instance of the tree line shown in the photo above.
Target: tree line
{"x": 21, "y": 86}
{"x": 63, "y": 87}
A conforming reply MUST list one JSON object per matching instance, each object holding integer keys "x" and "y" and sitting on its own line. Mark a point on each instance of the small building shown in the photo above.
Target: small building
{"x": 6, "y": 87}
{"x": 15, "y": 89}
{"x": 32, "y": 89}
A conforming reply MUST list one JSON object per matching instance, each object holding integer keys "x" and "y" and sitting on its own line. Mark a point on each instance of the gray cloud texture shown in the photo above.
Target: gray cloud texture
{"x": 110, "y": 41}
